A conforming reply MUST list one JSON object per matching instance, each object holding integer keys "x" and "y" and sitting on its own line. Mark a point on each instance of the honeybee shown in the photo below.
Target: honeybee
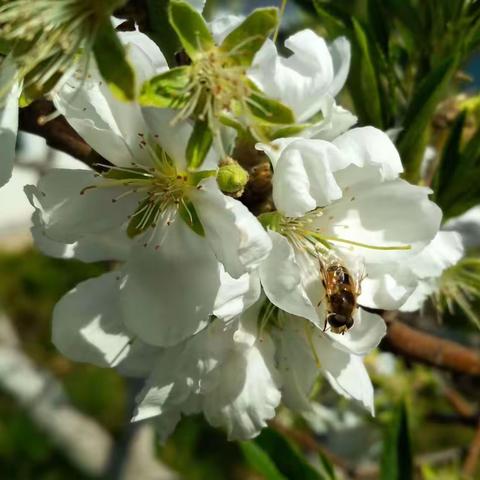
{"x": 341, "y": 293}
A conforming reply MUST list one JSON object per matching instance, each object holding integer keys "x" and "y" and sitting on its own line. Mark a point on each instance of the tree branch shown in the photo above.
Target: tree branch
{"x": 425, "y": 348}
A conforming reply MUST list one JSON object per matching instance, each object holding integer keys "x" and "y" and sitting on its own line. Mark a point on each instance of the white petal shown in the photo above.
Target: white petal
{"x": 169, "y": 294}
{"x": 336, "y": 120}
{"x": 110, "y": 245}
{"x": 8, "y": 123}
{"x": 302, "y": 79}
{"x": 346, "y": 373}
{"x": 281, "y": 280}
{"x": 416, "y": 300}
{"x": 303, "y": 177}
{"x": 113, "y": 128}
{"x": 67, "y": 214}
{"x": 236, "y": 295}
{"x": 468, "y": 225}
{"x": 296, "y": 363}
{"x": 242, "y": 403}
{"x": 445, "y": 250}
{"x": 146, "y": 57}
{"x": 340, "y": 52}
{"x": 366, "y": 333}
{"x": 87, "y": 327}
{"x": 369, "y": 147}
{"x": 384, "y": 215}
{"x": 235, "y": 235}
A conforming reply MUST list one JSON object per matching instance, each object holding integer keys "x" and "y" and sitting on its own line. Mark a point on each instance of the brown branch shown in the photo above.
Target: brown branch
{"x": 57, "y": 132}
{"x": 471, "y": 462}
{"x": 425, "y": 348}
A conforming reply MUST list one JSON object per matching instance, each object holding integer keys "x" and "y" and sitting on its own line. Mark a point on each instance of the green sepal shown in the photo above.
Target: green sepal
{"x": 244, "y": 41}
{"x": 138, "y": 224}
{"x": 167, "y": 90}
{"x": 191, "y": 28}
{"x": 190, "y": 216}
{"x": 269, "y": 111}
{"x": 194, "y": 178}
{"x": 199, "y": 144}
{"x": 288, "y": 131}
{"x": 112, "y": 62}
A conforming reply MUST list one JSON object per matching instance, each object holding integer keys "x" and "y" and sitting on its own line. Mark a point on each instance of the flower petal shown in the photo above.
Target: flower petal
{"x": 169, "y": 294}
{"x": 236, "y": 403}
{"x": 281, "y": 280}
{"x": 346, "y": 373}
{"x": 340, "y": 52}
{"x": 70, "y": 208}
{"x": 468, "y": 225}
{"x": 372, "y": 151}
{"x": 87, "y": 327}
{"x": 236, "y": 237}
{"x": 296, "y": 363}
{"x": 365, "y": 335}
{"x": 303, "y": 177}
{"x": 381, "y": 216}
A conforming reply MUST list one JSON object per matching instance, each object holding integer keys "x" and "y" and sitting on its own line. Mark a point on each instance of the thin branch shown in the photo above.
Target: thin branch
{"x": 425, "y": 348}
{"x": 471, "y": 462}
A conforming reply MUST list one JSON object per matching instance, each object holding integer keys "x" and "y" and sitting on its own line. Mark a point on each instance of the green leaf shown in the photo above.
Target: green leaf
{"x": 113, "y": 64}
{"x": 397, "y": 459}
{"x": 260, "y": 461}
{"x": 245, "y": 40}
{"x": 167, "y": 90}
{"x": 191, "y": 28}
{"x": 199, "y": 144}
{"x": 140, "y": 222}
{"x": 161, "y": 31}
{"x": 414, "y": 136}
{"x": 327, "y": 467}
{"x": 269, "y": 111}
{"x": 363, "y": 82}
{"x": 190, "y": 216}
{"x": 289, "y": 461}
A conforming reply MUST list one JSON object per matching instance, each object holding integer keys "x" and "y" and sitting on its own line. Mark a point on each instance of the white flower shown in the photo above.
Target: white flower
{"x": 444, "y": 251}
{"x": 183, "y": 225}
{"x": 8, "y": 120}
{"x": 343, "y": 201}
{"x": 225, "y": 371}
{"x": 307, "y": 81}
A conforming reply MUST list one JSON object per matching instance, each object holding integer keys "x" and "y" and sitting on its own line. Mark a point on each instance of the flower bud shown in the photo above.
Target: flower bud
{"x": 232, "y": 178}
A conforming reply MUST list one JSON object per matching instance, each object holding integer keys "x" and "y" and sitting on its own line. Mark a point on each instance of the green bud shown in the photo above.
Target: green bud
{"x": 232, "y": 178}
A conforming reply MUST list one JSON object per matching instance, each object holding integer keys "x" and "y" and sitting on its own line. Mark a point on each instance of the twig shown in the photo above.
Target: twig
{"x": 471, "y": 462}
{"x": 425, "y": 348}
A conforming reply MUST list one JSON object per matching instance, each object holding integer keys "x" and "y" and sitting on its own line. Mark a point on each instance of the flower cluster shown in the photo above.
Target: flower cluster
{"x": 221, "y": 310}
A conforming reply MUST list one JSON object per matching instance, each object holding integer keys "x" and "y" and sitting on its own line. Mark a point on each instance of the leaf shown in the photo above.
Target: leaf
{"x": 190, "y": 216}
{"x": 327, "y": 467}
{"x": 397, "y": 459}
{"x": 167, "y": 90}
{"x": 289, "y": 461}
{"x": 113, "y": 64}
{"x": 260, "y": 461}
{"x": 268, "y": 110}
{"x": 191, "y": 28}
{"x": 412, "y": 139}
{"x": 363, "y": 82}
{"x": 245, "y": 40}
{"x": 199, "y": 144}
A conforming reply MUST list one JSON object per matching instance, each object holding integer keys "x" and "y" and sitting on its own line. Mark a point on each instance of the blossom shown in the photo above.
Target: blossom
{"x": 444, "y": 251}
{"x": 186, "y": 247}
{"x": 343, "y": 202}
{"x": 217, "y": 372}
{"x": 307, "y": 81}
